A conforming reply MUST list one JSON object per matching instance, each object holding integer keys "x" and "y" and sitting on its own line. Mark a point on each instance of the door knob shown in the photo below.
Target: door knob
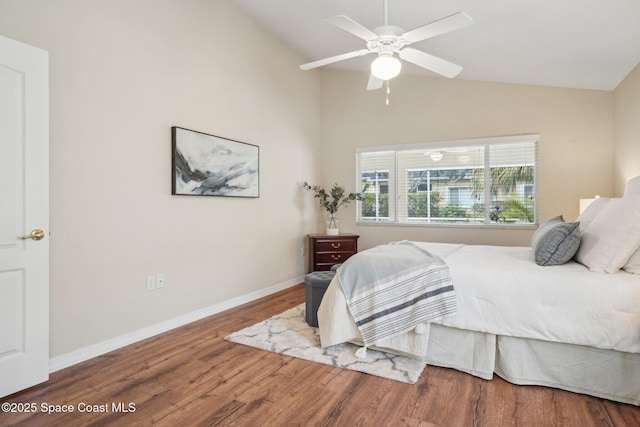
{"x": 36, "y": 234}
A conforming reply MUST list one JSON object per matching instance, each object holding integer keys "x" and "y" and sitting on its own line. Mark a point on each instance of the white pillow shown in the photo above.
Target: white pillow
{"x": 591, "y": 212}
{"x": 610, "y": 236}
{"x": 633, "y": 187}
{"x": 633, "y": 265}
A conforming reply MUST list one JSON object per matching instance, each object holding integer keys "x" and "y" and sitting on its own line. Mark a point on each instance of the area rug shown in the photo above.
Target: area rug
{"x": 289, "y": 334}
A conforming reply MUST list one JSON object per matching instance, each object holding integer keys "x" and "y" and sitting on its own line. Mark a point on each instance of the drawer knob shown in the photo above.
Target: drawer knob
{"x": 335, "y": 245}
{"x": 335, "y": 257}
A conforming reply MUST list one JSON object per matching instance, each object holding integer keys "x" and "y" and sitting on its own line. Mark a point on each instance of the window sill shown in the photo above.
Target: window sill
{"x": 448, "y": 225}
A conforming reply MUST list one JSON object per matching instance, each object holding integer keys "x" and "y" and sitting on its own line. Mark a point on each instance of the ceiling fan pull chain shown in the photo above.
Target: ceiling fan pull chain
{"x": 388, "y": 92}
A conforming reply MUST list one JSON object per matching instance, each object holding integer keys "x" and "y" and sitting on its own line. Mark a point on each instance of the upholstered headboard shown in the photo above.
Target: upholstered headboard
{"x": 633, "y": 187}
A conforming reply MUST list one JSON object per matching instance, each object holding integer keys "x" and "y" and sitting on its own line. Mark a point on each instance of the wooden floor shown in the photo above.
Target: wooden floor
{"x": 191, "y": 376}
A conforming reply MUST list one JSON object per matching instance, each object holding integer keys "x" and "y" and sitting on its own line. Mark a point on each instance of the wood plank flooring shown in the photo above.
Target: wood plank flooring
{"x": 191, "y": 376}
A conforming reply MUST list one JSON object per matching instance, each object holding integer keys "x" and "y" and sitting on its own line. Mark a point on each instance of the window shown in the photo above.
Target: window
{"x": 481, "y": 182}
{"x": 460, "y": 196}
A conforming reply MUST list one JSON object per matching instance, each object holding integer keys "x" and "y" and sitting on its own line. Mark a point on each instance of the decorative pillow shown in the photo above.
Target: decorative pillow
{"x": 612, "y": 236}
{"x": 555, "y": 242}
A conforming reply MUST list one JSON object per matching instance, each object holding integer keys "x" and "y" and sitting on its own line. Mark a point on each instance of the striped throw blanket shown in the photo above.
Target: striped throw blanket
{"x": 392, "y": 288}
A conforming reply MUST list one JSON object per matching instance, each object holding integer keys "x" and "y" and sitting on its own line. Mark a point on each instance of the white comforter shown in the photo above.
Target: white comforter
{"x": 500, "y": 290}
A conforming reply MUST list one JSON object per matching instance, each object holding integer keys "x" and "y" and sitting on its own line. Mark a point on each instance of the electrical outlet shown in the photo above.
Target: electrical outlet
{"x": 302, "y": 251}
{"x": 160, "y": 280}
{"x": 151, "y": 283}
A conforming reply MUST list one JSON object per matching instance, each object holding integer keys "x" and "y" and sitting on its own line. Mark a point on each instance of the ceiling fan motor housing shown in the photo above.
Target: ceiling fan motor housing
{"x": 388, "y": 40}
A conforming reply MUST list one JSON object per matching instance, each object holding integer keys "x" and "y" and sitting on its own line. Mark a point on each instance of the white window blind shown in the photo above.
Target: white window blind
{"x": 378, "y": 176}
{"x": 489, "y": 181}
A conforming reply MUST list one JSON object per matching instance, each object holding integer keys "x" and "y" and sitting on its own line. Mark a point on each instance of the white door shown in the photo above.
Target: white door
{"x": 24, "y": 207}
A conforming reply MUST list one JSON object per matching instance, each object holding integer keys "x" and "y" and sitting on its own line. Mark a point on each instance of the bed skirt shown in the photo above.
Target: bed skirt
{"x": 608, "y": 374}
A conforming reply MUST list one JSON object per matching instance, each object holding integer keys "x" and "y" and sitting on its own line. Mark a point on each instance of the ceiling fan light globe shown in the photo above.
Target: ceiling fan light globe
{"x": 386, "y": 67}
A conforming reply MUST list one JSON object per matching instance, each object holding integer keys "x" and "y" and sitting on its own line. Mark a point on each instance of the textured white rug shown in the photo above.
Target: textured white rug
{"x": 289, "y": 334}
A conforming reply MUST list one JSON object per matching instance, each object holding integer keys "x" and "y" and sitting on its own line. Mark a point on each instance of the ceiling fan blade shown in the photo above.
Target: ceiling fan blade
{"x": 450, "y": 23}
{"x": 353, "y": 27}
{"x": 374, "y": 83}
{"x": 332, "y": 59}
{"x": 430, "y": 62}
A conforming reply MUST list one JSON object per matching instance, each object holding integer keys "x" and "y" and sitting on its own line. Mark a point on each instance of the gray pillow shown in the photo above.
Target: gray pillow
{"x": 555, "y": 242}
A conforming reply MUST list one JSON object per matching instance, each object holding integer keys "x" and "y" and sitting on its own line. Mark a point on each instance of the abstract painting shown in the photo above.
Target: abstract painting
{"x": 209, "y": 165}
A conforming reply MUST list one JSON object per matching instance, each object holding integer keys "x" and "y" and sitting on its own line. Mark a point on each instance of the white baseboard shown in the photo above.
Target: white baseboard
{"x": 94, "y": 350}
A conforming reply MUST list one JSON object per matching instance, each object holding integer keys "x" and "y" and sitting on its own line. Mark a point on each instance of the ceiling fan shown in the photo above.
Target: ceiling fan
{"x": 387, "y": 40}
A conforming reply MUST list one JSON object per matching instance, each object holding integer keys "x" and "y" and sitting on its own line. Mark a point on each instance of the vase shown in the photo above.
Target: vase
{"x": 332, "y": 225}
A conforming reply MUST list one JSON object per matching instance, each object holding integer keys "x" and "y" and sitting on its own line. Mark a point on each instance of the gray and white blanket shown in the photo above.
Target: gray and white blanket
{"x": 392, "y": 289}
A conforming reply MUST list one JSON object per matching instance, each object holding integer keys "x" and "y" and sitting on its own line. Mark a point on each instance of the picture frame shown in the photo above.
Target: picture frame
{"x": 210, "y": 165}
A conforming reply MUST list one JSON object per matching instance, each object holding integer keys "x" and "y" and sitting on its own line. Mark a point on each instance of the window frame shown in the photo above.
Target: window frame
{"x": 396, "y": 219}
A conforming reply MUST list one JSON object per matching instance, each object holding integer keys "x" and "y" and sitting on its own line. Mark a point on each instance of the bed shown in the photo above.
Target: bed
{"x": 572, "y": 325}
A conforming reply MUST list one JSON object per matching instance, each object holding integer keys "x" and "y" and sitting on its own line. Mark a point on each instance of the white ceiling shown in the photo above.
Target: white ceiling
{"x": 590, "y": 44}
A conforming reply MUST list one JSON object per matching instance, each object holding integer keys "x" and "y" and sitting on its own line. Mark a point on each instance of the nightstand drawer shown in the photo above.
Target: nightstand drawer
{"x": 333, "y": 257}
{"x": 336, "y": 246}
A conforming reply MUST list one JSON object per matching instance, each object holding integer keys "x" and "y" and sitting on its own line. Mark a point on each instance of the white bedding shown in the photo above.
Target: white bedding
{"x": 500, "y": 290}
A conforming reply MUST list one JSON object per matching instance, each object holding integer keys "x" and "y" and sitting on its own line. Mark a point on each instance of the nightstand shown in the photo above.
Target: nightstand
{"x": 325, "y": 251}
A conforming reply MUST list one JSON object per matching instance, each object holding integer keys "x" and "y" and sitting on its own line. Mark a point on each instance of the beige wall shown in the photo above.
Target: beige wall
{"x": 122, "y": 73}
{"x": 575, "y": 127}
{"x": 626, "y": 108}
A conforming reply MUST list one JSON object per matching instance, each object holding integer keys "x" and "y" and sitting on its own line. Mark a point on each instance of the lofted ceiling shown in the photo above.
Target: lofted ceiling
{"x": 588, "y": 44}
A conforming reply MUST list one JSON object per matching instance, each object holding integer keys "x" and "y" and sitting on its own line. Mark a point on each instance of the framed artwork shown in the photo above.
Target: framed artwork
{"x": 209, "y": 165}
